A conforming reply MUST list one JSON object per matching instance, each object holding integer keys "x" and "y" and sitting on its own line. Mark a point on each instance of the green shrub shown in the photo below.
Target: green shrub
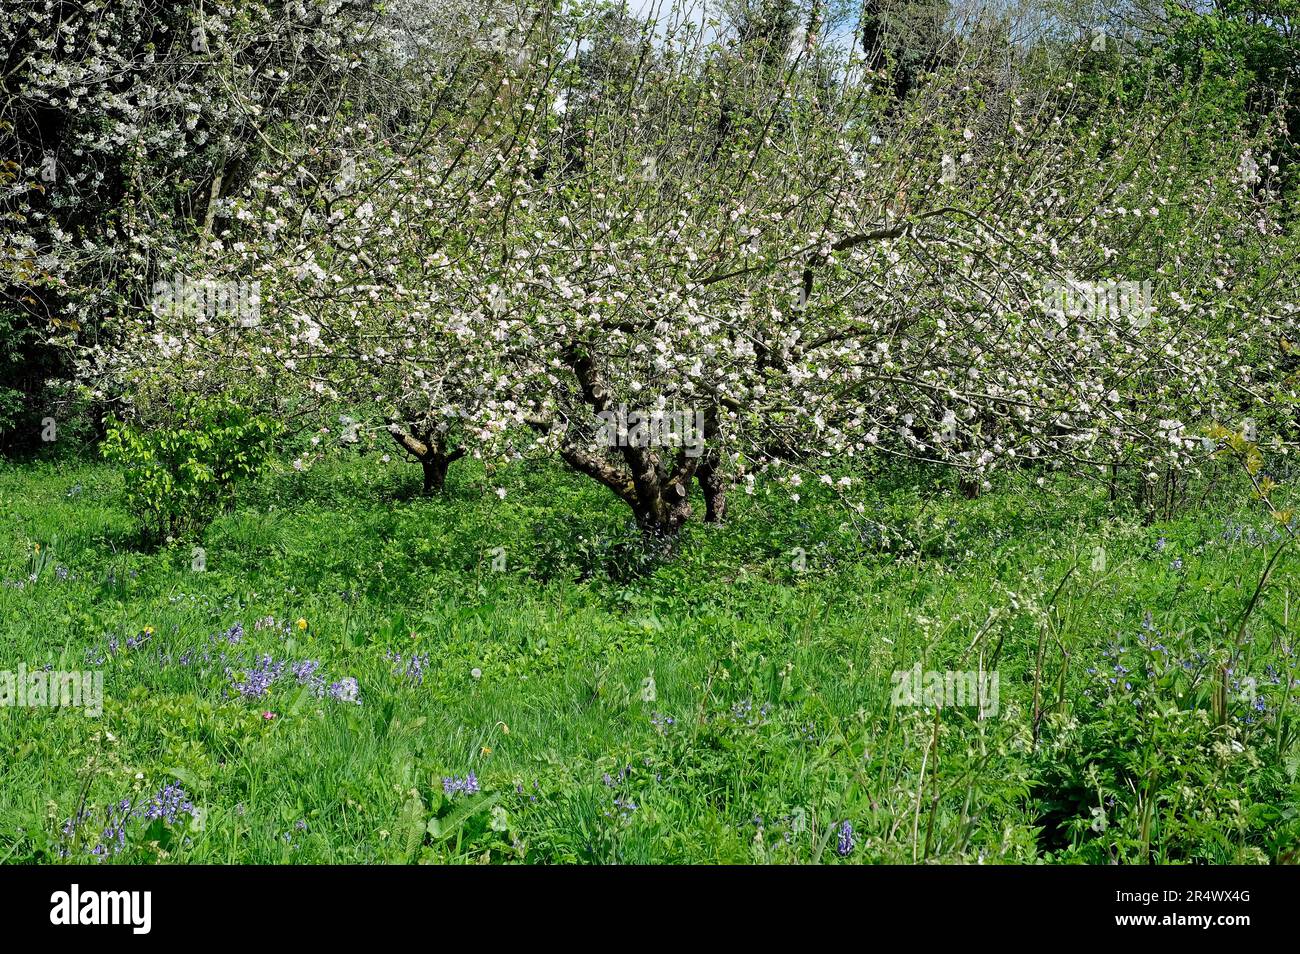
{"x": 180, "y": 473}
{"x": 1173, "y": 754}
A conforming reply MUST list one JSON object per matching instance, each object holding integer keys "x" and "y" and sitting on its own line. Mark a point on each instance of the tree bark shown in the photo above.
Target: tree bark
{"x": 435, "y": 472}
{"x": 657, "y": 495}
{"x": 432, "y": 453}
{"x": 655, "y": 488}
{"x": 714, "y": 487}
{"x": 663, "y": 511}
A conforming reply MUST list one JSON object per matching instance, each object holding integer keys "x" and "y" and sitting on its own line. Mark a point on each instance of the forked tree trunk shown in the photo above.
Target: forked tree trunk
{"x": 656, "y": 488}
{"x": 661, "y": 511}
{"x": 432, "y": 453}
{"x": 435, "y": 472}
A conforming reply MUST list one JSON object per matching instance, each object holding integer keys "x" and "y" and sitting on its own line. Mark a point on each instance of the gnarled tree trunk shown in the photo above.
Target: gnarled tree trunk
{"x": 662, "y": 508}
{"x": 714, "y": 487}
{"x": 432, "y": 453}
{"x": 655, "y": 486}
{"x": 435, "y": 472}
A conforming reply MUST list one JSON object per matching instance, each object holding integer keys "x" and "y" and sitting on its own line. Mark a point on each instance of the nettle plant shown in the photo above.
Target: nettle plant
{"x": 576, "y": 226}
{"x": 180, "y": 471}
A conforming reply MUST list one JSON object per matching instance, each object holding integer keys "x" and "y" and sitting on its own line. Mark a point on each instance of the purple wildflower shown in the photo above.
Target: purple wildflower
{"x": 411, "y": 669}
{"x": 169, "y": 804}
{"x": 257, "y": 681}
{"x": 845, "y": 844}
{"x": 305, "y": 671}
{"x": 467, "y": 785}
{"x": 346, "y": 690}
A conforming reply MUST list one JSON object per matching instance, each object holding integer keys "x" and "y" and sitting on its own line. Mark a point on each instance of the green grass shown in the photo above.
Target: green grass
{"x": 777, "y": 682}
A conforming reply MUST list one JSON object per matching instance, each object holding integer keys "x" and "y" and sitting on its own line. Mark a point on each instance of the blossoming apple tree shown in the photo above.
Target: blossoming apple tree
{"x": 576, "y": 215}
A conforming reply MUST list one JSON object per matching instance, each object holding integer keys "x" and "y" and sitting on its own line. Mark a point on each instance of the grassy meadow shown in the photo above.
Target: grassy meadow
{"x": 340, "y": 670}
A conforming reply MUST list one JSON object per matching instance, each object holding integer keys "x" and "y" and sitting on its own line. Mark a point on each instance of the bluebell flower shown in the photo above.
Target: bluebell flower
{"x": 258, "y": 680}
{"x": 306, "y": 671}
{"x": 452, "y": 785}
{"x": 345, "y": 690}
{"x": 845, "y": 844}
